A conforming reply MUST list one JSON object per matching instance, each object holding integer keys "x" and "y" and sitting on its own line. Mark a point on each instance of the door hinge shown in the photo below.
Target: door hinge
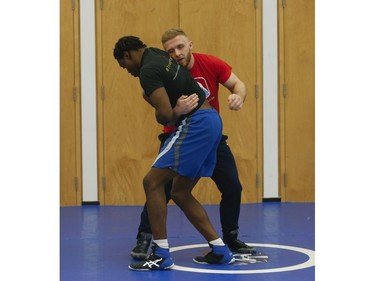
{"x": 74, "y": 94}
{"x": 76, "y": 184}
{"x": 102, "y": 92}
{"x": 257, "y": 180}
{"x": 285, "y": 180}
{"x": 284, "y": 3}
{"x": 73, "y": 5}
{"x": 284, "y": 90}
{"x": 101, "y": 4}
{"x": 104, "y": 182}
{"x": 255, "y": 4}
{"x": 256, "y": 91}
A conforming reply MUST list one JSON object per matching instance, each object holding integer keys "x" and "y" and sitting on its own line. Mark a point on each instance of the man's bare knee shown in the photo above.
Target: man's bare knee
{"x": 147, "y": 182}
{"x": 178, "y": 197}
{"x": 157, "y": 178}
{"x": 181, "y": 190}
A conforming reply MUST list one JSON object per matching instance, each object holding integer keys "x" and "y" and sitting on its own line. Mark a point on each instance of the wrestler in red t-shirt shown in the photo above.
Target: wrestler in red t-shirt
{"x": 208, "y": 71}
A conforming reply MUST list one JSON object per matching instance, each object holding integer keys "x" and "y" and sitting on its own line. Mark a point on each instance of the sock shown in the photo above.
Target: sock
{"x": 162, "y": 243}
{"x": 217, "y": 242}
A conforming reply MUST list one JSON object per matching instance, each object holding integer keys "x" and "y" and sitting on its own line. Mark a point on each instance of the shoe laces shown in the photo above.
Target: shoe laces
{"x": 152, "y": 261}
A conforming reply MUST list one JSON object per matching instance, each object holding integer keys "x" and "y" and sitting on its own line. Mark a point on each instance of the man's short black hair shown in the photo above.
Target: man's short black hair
{"x": 126, "y": 44}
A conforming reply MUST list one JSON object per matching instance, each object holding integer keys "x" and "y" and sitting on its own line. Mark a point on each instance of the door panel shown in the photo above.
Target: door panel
{"x": 127, "y": 138}
{"x": 70, "y": 106}
{"x": 297, "y": 100}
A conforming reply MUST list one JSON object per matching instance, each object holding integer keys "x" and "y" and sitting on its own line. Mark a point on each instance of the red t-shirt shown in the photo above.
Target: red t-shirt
{"x": 209, "y": 72}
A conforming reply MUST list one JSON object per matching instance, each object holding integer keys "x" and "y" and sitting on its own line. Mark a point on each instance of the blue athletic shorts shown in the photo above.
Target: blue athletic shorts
{"x": 191, "y": 149}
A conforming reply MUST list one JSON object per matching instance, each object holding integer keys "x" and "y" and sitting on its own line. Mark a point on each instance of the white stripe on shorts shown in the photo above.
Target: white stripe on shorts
{"x": 171, "y": 143}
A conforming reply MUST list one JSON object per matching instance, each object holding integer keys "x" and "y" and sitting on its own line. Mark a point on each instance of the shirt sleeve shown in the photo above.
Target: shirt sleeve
{"x": 223, "y": 70}
{"x": 150, "y": 79}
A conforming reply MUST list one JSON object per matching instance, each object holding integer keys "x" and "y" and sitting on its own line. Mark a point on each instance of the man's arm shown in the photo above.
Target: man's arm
{"x": 164, "y": 113}
{"x": 146, "y": 98}
{"x": 238, "y": 92}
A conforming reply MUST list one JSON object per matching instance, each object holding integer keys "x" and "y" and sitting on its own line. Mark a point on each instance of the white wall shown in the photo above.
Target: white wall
{"x": 88, "y": 84}
{"x": 270, "y": 135}
{"x": 89, "y": 156}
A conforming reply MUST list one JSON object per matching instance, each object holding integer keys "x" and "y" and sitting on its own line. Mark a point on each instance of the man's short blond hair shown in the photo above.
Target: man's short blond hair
{"x": 172, "y": 33}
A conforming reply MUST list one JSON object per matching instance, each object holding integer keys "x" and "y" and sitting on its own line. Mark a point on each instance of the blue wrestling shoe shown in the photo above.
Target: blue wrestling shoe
{"x": 160, "y": 259}
{"x": 218, "y": 255}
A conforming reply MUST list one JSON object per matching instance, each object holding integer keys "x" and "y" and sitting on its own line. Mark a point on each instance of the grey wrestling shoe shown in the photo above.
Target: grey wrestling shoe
{"x": 143, "y": 243}
{"x": 236, "y": 245}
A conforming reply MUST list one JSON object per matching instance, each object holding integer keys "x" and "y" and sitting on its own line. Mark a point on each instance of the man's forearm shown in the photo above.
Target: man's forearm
{"x": 240, "y": 90}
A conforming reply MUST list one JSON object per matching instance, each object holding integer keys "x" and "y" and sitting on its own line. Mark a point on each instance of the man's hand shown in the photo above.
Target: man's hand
{"x": 235, "y": 102}
{"x": 185, "y": 104}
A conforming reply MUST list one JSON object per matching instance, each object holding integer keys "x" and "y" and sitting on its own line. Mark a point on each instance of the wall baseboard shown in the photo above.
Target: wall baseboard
{"x": 276, "y": 199}
{"x": 90, "y": 203}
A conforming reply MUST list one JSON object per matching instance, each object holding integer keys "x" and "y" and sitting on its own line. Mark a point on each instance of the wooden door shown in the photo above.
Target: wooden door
{"x": 230, "y": 30}
{"x": 297, "y": 100}
{"x": 127, "y": 129}
{"x": 70, "y": 106}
